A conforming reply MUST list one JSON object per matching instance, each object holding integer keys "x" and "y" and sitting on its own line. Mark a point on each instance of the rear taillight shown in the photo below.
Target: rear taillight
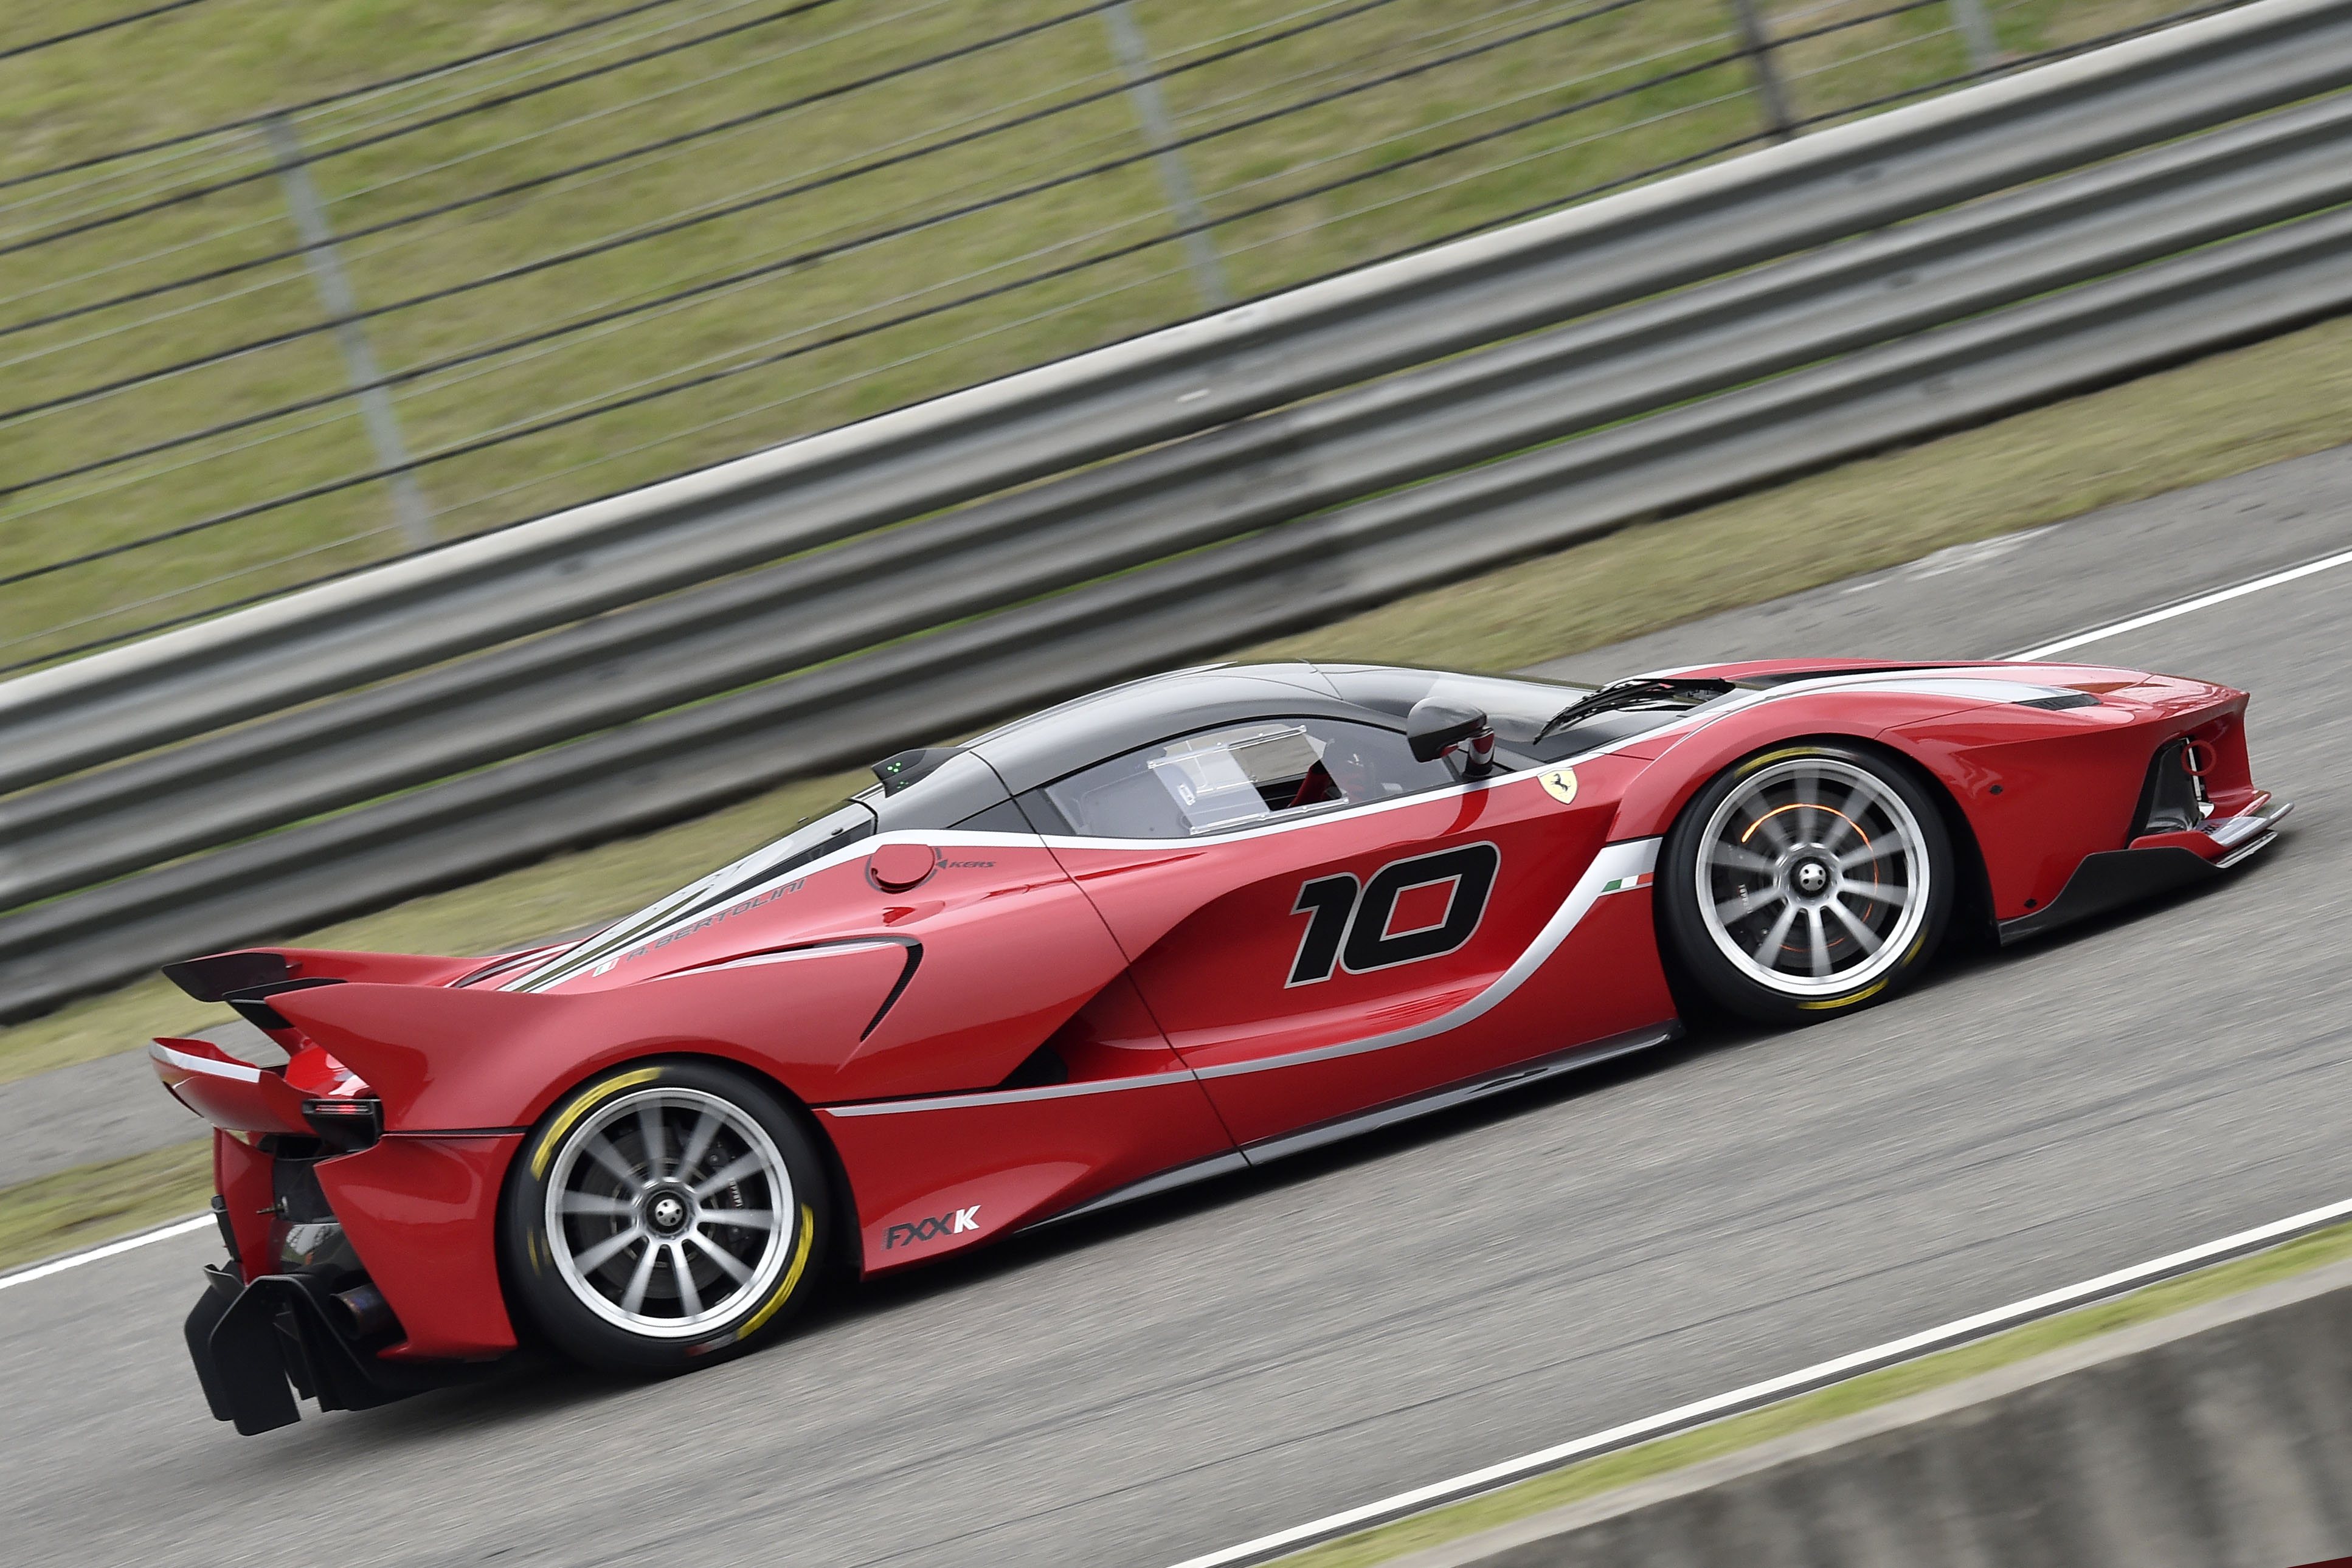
{"x": 345, "y": 1126}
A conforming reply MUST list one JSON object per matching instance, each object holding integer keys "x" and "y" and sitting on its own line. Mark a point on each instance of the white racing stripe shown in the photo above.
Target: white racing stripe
{"x": 236, "y": 1071}
{"x": 1706, "y": 1409}
{"x": 1619, "y": 867}
{"x": 76, "y": 1259}
{"x": 2187, "y": 606}
{"x": 1770, "y": 1389}
{"x": 1619, "y": 862}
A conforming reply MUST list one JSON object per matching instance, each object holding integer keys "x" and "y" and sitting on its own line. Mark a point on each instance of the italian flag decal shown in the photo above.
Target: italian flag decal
{"x": 1626, "y": 883}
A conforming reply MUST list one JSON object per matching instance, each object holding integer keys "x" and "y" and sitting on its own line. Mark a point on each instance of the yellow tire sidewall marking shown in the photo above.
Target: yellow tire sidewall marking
{"x": 545, "y": 1153}
{"x": 1862, "y": 995}
{"x": 1783, "y": 755}
{"x": 792, "y": 1279}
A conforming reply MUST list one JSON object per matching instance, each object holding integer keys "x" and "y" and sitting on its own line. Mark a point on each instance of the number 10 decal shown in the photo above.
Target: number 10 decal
{"x": 1352, "y": 923}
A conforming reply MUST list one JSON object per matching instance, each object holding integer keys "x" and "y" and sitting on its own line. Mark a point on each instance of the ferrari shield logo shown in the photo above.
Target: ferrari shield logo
{"x": 1559, "y": 783}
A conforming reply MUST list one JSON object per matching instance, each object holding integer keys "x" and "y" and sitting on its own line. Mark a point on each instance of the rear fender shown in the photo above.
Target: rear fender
{"x": 443, "y": 1060}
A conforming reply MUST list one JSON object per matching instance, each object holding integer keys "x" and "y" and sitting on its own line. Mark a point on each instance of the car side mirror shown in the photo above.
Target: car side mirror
{"x": 1433, "y": 728}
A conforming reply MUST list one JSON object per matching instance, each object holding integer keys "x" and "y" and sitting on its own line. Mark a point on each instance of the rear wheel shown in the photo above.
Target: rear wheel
{"x": 663, "y": 1216}
{"x": 1804, "y": 880}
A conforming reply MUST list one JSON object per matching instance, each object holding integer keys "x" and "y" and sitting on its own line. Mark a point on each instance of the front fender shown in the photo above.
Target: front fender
{"x": 1683, "y": 766}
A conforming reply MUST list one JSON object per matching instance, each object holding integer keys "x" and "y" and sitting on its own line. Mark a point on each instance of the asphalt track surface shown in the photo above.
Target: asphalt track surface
{"x": 1137, "y": 1388}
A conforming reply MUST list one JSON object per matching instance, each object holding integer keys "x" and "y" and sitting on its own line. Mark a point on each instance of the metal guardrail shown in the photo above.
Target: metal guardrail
{"x": 634, "y": 660}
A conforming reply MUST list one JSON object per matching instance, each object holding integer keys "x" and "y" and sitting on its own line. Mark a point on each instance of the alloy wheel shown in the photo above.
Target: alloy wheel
{"x": 668, "y": 1212}
{"x": 1812, "y": 876}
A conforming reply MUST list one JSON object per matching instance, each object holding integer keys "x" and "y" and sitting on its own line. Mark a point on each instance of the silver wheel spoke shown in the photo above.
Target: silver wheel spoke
{"x": 593, "y": 1203}
{"x": 632, "y": 1299}
{"x": 732, "y": 1266}
{"x": 1859, "y": 800}
{"x": 607, "y": 1247}
{"x": 689, "y": 1299}
{"x": 697, "y": 1142}
{"x": 600, "y": 1149}
{"x": 1802, "y": 845}
{"x": 1747, "y": 904}
{"x": 649, "y": 1128}
{"x": 1892, "y": 844}
{"x": 1862, "y": 798}
{"x": 749, "y": 1164}
{"x": 1771, "y": 945}
{"x": 1737, "y": 857}
{"x": 596, "y": 1257}
{"x": 1855, "y": 925}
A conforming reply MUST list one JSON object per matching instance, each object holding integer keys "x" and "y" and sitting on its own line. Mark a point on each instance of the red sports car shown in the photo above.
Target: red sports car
{"x": 1175, "y": 928}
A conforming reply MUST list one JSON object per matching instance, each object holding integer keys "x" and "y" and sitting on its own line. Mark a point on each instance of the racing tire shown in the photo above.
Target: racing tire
{"x": 663, "y": 1216}
{"x": 1805, "y": 880}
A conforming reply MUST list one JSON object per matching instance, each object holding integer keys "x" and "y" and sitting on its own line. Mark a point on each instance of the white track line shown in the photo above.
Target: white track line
{"x": 76, "y": 1259}
{"x": 1755, "y": 1394}
{"x": 1766, "y": 1392}
{"x": 2204, "y": 601}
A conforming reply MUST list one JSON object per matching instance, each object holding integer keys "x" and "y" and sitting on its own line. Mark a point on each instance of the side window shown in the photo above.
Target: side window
{"x": 1240, "y": 776}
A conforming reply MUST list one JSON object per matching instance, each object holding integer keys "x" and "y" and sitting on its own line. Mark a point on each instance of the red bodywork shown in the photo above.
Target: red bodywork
{"x": 896, "y": 988}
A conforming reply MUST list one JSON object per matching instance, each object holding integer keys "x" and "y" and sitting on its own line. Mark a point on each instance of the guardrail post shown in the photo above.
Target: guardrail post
{"x": 1975, "y": 24}
{"x": 409, "y": 509}
{"x": 1151, "y": 111}
{"x": 1770, "y": 92}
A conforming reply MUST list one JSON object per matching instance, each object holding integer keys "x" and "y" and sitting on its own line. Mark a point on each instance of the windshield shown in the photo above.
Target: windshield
{"x": 845, "y": 823}
{"x": 1518, "y": 709}
{"x": 1517, "y": 706}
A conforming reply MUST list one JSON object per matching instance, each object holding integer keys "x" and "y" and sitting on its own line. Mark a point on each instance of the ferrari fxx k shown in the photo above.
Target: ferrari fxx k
{"x": 1172, "y": 930}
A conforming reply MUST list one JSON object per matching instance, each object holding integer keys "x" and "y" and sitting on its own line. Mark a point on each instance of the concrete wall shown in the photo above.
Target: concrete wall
{"x": 2218, "y": 1438}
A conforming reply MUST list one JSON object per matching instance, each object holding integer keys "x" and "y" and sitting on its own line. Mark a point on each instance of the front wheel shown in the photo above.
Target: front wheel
{"x": 1804, "y": 880}
{"x": 661, "y": 1217}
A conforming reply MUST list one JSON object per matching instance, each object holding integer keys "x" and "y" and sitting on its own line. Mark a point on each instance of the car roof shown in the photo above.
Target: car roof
{"x": 1069, "y": 735}
{"x": 1059, "y": 740}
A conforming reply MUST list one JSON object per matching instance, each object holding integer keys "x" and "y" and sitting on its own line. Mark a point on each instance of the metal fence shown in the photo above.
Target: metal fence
{"x": 1268, "y": 467}
{"x": 263, "y": 352}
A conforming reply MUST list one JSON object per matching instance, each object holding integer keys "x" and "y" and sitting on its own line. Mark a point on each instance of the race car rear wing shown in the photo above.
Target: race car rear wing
{"x": 217, "y": 976}
{"x": 229, "y": 1094}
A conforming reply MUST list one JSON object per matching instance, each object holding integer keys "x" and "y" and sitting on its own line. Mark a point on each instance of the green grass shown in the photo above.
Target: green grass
{"x": 232, "y": 57}
{"x": 98, "y": 1202}
{"x": 1593, "y": 1477}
